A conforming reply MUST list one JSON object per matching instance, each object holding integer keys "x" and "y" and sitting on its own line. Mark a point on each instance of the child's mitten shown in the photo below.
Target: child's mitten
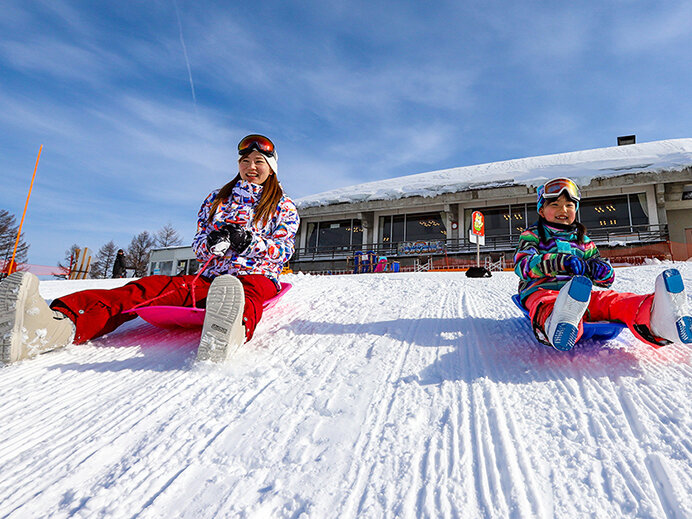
{"x": 598, "y": 269}
{"x": 572, "y": 264}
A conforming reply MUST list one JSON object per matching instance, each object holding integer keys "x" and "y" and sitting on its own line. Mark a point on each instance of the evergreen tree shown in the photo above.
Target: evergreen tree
{"x": 8, "y": 235}
{"x": 138, "y": 253}
{"x": 101, "y": 268}
{"x": 167, "y": 236}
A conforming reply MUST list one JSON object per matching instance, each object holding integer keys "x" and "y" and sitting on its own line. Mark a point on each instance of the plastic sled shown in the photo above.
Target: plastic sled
{"x": 188, "y": 317}
{"x": 598, "y": 331}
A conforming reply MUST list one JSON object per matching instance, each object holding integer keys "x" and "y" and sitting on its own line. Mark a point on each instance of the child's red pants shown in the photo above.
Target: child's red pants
{"x": 634, "y": 310}
{"x": 97, "y": 312}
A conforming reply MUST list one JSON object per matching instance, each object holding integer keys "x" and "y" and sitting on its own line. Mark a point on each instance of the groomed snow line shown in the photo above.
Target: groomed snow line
{"x": 377, "y": 396}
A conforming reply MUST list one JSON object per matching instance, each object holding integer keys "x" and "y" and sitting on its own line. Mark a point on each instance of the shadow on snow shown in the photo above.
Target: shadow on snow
{"x": 501, "y": 350}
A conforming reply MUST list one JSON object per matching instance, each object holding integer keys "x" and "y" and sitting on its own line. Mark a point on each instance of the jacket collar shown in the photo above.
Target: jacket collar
{"x": 249, "y": 190}
{"x": 557, "y": 228}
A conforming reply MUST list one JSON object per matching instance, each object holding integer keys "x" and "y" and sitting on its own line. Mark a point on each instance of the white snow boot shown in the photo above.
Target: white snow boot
{"x": 562, "y": 325}
{"x": 223, "y": 330}
{"x": 670, "y": 312}
{"x": 27, "y": 324}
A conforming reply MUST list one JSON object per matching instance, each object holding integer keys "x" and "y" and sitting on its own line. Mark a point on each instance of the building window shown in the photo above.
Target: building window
{"x": 600, "y": 213}
{"x": 166, "y": 268}
{"x": 639, "y": 211}
{"x": 425, "y": 227}
{"x": 336, "y": 234}
{"x": 392, "y": 228}
{"x": 615, "y": 211}
{"x": 413, "y": 227}
{"x": 497, "y": 221}
{"x": 517, "y": 219}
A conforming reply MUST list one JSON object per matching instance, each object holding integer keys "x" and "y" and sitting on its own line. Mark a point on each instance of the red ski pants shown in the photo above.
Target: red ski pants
{"x": 97, "y": 312}
{"x": 633, "y": 310}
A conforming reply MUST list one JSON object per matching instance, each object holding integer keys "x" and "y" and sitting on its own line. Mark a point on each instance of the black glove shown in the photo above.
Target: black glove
{"x": 230, "y": 236}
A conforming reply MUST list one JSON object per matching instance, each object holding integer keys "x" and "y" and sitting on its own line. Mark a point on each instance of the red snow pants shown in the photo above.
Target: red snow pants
{"x": 633, "y": 310}
{"x": 97, "y": 312}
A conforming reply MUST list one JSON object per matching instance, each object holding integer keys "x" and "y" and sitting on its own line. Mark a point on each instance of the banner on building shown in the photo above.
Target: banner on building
{"x": 422, "y": 247}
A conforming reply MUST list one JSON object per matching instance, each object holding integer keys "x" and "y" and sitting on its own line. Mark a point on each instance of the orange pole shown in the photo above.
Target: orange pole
{"x": 26, "y": 205}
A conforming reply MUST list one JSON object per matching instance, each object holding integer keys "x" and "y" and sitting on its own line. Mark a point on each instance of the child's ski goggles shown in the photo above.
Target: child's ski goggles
{"x": 256, "y": 142}
{"x": 555, "y": 187}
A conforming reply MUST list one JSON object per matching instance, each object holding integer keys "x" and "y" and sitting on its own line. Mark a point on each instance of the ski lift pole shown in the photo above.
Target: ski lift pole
{"x": 26, "y": 205}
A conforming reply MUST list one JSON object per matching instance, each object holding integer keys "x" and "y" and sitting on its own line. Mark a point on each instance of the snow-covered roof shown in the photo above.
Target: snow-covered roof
{"x": 581, "y": 166}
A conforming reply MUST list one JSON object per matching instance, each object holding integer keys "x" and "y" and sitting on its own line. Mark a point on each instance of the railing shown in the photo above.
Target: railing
{"x": 629, "y": 235}
{"x": 494, "y": 265}
{"x": 422, "y": 267}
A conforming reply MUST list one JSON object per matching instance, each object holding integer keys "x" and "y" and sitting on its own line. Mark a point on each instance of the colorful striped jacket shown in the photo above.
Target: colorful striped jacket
{"x": 272, "y": 243}
{"x": 538, "y": 263}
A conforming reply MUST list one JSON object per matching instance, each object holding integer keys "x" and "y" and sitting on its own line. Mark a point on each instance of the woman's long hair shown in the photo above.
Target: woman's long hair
{"x": 269, "y": 199}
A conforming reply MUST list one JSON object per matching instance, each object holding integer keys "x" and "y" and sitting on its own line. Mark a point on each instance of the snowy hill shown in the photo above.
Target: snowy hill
{"x": 384, "y": 395}
{"x": 581, "y": 166}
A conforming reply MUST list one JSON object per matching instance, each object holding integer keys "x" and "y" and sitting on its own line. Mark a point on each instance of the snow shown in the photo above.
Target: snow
{"x": 581, "y": 166}
{"x": 381, "y": 395}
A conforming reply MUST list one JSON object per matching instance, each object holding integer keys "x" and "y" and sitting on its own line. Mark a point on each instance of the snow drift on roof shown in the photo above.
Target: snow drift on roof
{"x": 582, "y": 166}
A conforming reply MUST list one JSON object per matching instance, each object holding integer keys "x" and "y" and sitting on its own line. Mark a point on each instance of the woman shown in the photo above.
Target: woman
{"x": 245, "y": 233}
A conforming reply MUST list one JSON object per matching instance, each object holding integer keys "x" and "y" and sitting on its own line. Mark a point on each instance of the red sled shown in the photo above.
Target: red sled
{"x": 187, "y": 316}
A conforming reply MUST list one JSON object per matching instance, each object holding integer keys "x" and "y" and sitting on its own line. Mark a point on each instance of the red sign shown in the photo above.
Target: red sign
{"x": 478, "y": 223}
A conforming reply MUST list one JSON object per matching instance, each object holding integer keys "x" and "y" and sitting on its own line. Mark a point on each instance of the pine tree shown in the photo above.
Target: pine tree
{"x": 138, "y": 253}
{"x": 8, "y": 235}
{"x": 167, "y": 236}
{"x": 102, "y": 267}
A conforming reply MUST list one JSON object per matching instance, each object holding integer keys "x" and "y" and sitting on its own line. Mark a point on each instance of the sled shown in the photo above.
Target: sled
{"x": 188, "y": 317}
{"x": 598, "y": 331}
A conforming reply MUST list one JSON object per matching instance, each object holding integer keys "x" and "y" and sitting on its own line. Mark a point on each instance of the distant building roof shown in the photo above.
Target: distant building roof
{"x": 581, "y": 166}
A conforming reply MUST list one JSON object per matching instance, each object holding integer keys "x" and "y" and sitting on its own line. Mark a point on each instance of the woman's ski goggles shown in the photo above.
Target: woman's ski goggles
{"x": 555, "y": 187}
{"x": 256, "y": 142}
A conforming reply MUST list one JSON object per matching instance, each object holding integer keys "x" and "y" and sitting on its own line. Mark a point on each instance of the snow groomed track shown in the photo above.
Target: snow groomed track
{"x": 384, "y": 395}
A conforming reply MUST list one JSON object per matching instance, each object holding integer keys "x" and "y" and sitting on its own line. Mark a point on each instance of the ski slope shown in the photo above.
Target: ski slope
{"x": 382, "y": 395}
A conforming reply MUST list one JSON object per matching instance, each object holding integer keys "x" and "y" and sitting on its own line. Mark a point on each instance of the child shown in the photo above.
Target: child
{"x": 558, "y": 264}
{"x": 245, "y": 233}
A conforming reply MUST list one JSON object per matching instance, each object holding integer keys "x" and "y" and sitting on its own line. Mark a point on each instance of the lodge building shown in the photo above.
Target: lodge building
{"x": 636, "y": 202}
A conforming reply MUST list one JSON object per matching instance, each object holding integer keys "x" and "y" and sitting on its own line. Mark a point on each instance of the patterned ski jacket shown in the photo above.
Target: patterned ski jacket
{"x": 539, "y": 263}
{"x": 272, "y": 243}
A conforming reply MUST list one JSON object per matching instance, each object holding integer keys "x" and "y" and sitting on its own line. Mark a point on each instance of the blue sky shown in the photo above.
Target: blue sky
{"x": 350, "y": 91}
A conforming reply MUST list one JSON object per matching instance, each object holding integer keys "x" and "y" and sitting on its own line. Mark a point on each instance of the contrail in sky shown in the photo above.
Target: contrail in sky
{"x": 187, "y": 60}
